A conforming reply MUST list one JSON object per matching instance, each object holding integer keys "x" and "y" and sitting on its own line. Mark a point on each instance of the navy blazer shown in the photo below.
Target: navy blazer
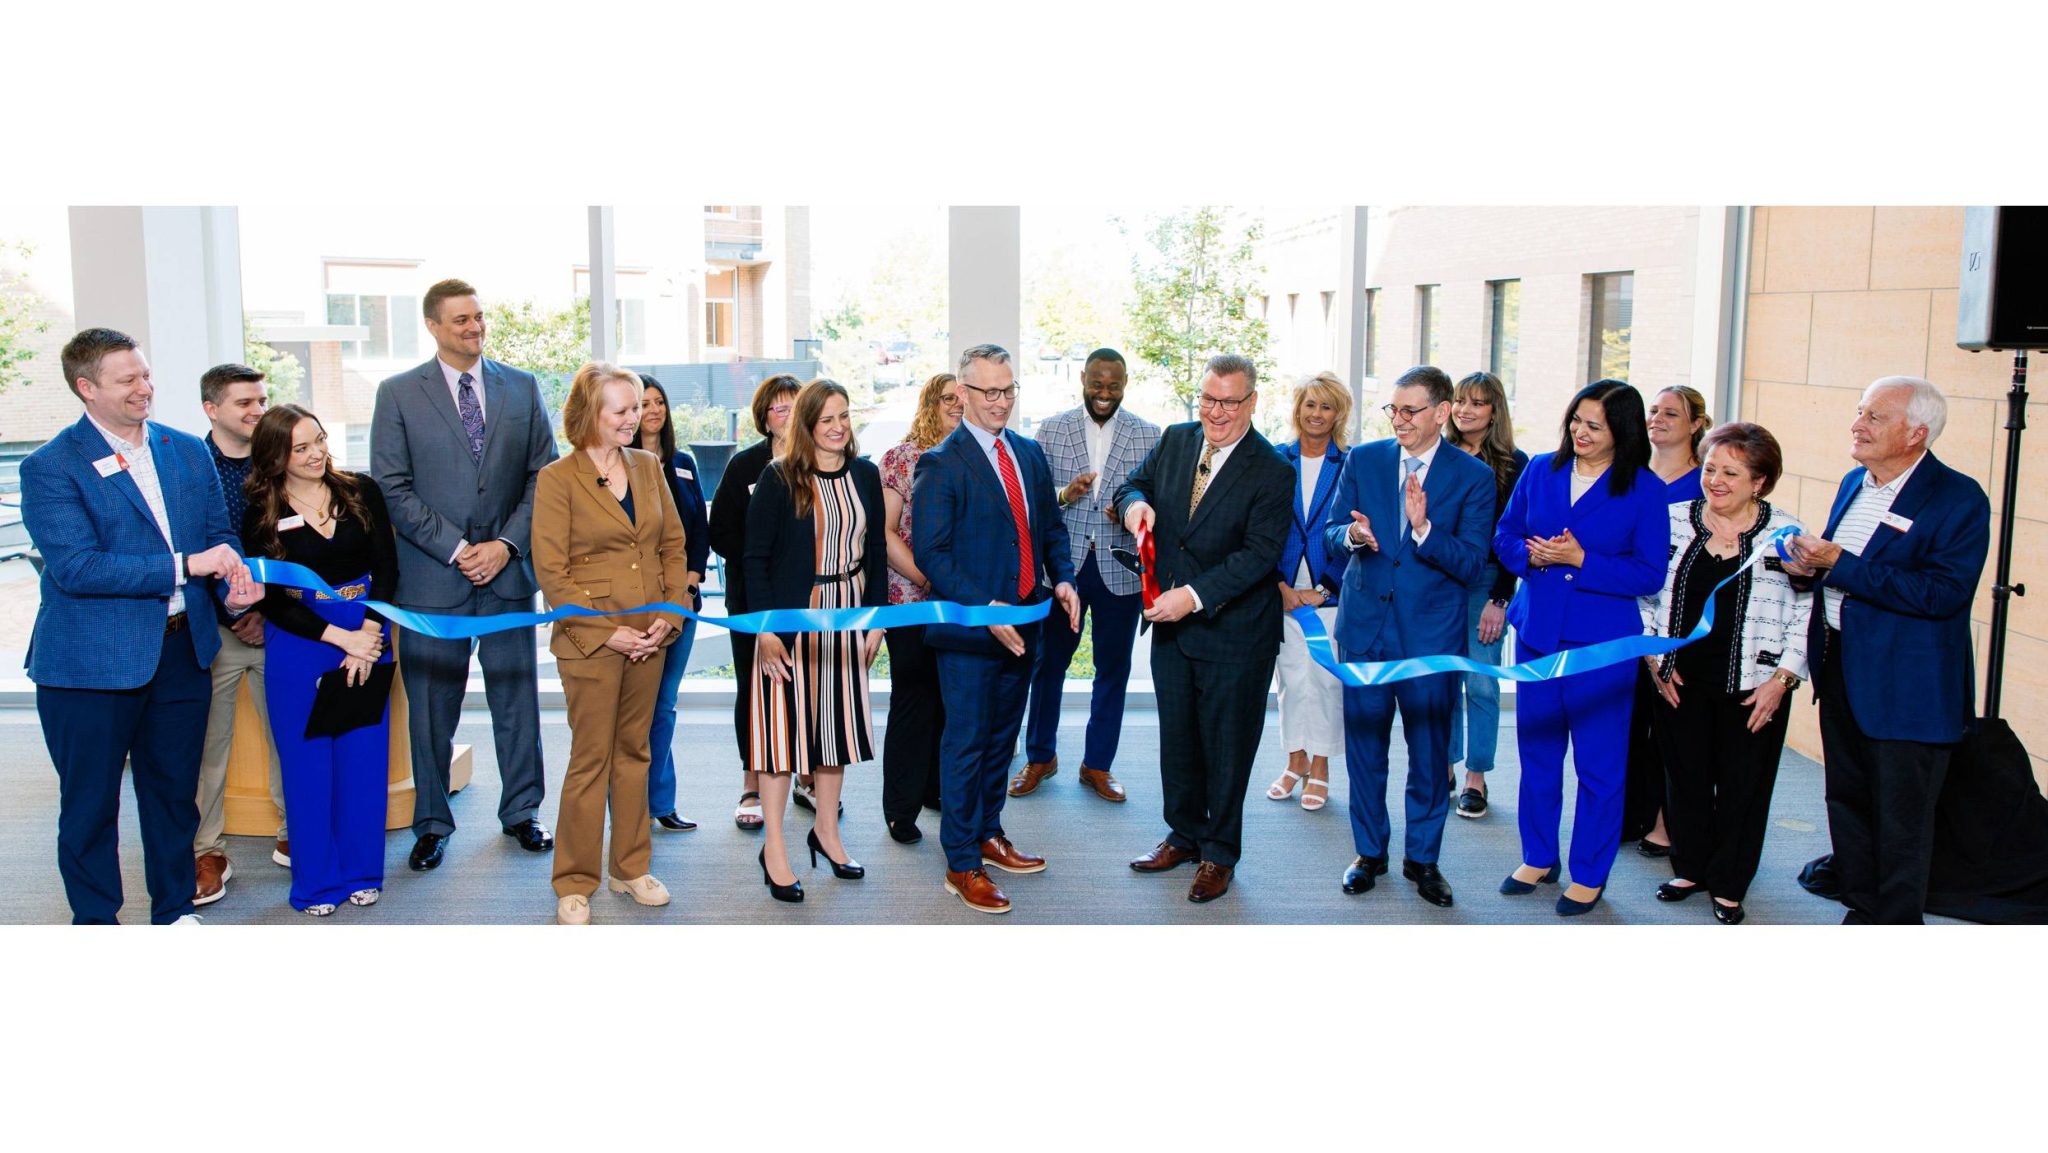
{"x": 965, "y": 539}
{"x": 688, "y": 491}
{"x": 1906, "y": 619}
{"x": 107, "y": 574}
{"x": 1417, "y": 591}
{"x": 781, "y": 557}
{"x": 1627, "y": 541}
{"x": 1305, "y": 537}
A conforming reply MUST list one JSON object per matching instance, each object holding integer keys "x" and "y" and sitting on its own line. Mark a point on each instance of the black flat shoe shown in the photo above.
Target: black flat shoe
{"x": 852, "y": 870}
{"x": 1650, "y": 848}
{"x": 533, "y": 836}
{"x": 426, "y": 852}
{"x": 1471, "y": 803}
{"x": 1728, "y": 914}
{"x": 905, "y": 832}
{"x": 1670, "y": 892}
{"x": 673, "y": 823}
{"x": 792, "y": 892}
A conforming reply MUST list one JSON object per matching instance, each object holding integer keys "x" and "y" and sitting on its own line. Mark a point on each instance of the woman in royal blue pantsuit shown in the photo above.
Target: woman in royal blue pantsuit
{"x": 1588, "y": 532}
{"x": 303, "y": 510}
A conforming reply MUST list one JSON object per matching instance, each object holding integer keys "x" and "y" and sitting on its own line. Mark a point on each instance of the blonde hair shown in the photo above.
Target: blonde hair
{"x": 1695, "y": 413}
{"x": 586, "y": 399}
{"x": 1326, "y": 387}
{"x": 927, "y": 428}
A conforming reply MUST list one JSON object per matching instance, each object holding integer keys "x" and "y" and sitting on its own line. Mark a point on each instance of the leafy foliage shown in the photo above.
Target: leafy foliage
{"x": 284, "y": 375}
{"x": 1189, "y": 298}
{"x": 18, "y": 321}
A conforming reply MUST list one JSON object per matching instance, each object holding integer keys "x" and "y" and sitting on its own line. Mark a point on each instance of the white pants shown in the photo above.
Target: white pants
{"x": 1311, "y": 700}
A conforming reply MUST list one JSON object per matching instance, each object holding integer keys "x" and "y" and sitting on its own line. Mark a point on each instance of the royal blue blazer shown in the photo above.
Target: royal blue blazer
{"x": 1413, "y": 594}
{"x": 1905, "y": 653}
{"x": 1627, "y": 541}
{"x": 965, "y": 539}
{"x": 107, "y": 574}
{"x": 1305, "y": 535}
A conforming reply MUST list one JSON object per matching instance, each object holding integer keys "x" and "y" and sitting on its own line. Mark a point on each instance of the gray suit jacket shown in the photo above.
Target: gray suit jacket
{"x": 439, "y": 497}
{"x": 1091, "y": 519}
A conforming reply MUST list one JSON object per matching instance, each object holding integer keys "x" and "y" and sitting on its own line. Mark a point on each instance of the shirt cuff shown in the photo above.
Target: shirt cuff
{"x": 1349, "y": 544}
{"x": 459, "y": 546}
{"x": 177, "y": 570}
{"x": 1194, "y": 596}
{"x": 1422, "y": 534}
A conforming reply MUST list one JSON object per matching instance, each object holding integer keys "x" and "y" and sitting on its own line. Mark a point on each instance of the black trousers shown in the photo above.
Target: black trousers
{"x": 1643, "y": 795}
{"x": 1881, "y": 804}
{"x": 743, "y": 700}
{"x": 1719, "y": 777}
{"x": 917, "y": 718}
{"x": 1211, "y": 715}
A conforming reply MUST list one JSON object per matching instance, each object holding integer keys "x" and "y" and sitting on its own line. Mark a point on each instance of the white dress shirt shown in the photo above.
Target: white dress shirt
{"x": 1098, "y": 437}
{"x": 142, "y": 467}
{"x": 454, "y": 377}
{"x": 1859, "y": 523}
{"x": 987, "y": 441}
{"x": 1401, "y": 459}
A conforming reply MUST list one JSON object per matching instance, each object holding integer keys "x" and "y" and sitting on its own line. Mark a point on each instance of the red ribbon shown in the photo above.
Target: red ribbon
{"x": 1149, "y": 579}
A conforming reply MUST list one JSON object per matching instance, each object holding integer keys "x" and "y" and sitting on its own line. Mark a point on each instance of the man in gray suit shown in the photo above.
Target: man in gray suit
{"x": 455, "y": 444}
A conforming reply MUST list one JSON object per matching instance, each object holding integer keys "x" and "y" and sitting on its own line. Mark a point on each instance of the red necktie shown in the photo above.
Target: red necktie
{"x": 1016, "y": 491}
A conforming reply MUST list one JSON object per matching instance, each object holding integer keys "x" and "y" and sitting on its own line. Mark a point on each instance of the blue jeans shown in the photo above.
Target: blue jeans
{"x": 661, "y": 769}
{"x": 1481, "y": 711}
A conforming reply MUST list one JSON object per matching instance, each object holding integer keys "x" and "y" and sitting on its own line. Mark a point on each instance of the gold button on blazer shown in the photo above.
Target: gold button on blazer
{"x": 586, "y": 552}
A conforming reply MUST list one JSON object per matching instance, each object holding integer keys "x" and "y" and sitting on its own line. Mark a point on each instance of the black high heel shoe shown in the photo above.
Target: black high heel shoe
{"x": 792, "y": 892}
{"x": 852, "y": 870}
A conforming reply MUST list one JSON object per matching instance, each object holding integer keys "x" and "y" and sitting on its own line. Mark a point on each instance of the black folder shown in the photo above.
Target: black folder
{"x": 339, "y": 708}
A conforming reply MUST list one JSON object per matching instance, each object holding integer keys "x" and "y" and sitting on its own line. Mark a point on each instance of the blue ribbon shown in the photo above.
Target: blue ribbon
{"x": 1359, "y": 674}
{"x": 285, "y": 573}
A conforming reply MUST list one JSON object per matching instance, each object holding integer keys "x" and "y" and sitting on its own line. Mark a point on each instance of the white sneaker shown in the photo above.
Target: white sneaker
{"x": 281, "y": 854}
{"x": 363, "y": 897}
{"x": 644, "y": 889}
{"x": 573, "y": 909}
{"x": 189, "y": 919}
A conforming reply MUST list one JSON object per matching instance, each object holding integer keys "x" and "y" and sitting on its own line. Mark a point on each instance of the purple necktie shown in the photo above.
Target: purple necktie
{"x": 472, "y": 415}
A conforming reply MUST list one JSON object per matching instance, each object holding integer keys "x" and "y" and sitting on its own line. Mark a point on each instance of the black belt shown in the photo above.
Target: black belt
{"x": 174, "y": 623}
{"x": 835, "y": 578}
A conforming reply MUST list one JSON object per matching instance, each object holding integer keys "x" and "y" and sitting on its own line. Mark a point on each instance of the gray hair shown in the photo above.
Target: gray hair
{"x": 993, "y": 353}
{"x": 1926, "y": 409}
{"x": 1231, "y": 364}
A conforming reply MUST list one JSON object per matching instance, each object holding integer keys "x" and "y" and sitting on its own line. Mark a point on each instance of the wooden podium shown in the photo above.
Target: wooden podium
{"x": 250, "y": 812}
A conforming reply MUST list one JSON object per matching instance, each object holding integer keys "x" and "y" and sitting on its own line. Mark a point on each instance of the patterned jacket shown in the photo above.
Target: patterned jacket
{"x": 1092, "y": 519}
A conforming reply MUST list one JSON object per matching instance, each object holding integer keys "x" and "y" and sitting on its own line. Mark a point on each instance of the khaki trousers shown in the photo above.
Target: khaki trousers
{"x": 611, "y": 708}
{"x": 235, "y": 661}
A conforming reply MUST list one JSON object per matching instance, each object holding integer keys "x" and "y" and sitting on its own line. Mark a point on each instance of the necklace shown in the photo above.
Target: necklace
{"x": 605, "y": 467}
{"x": 318, "y": 519}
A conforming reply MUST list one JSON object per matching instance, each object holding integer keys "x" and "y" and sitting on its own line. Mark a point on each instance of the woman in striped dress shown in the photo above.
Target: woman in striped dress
{"x": 815, "y": 539}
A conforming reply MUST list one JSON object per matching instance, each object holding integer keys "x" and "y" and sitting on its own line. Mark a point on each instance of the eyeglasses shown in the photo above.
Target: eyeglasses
{"x": 1009, "y": 393}
{"x": 1403, "y": 412}
{"x": 779, "y": 409}
{"x": 1227, "y": 407}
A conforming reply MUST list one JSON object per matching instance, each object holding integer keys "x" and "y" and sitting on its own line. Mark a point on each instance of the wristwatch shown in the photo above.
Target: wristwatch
{"x": 1786, "y": 679}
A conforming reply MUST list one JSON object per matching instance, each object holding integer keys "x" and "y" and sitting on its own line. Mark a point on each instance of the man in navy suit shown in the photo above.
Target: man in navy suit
{"x": 136, "y": 543}
{"x": 987, "y": 531}
{"x": 1404, "y": 591}
{"x": 1890, "y": 652}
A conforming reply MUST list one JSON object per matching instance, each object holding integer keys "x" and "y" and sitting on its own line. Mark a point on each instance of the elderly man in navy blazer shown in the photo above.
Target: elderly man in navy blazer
{"x": 987, "y": 531}
{"x": 1091, "y": 450}
{"x": 136, "y": 544}
{"x": 1890, "y": 651}
{"x": 455, "y": 444}
{"x": 1416, "y": 517}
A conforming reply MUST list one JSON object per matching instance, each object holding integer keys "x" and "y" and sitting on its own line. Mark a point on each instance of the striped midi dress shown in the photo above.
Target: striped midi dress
{"x": 820, "y": 716}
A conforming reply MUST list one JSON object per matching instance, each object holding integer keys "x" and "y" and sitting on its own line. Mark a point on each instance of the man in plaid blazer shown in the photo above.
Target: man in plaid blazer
{"x": 1091, "y": 450}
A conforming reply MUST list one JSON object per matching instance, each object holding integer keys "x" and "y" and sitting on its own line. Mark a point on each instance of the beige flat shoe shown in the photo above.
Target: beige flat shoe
{"x": 573, "y": 909}
{"x": 644, "y": 889}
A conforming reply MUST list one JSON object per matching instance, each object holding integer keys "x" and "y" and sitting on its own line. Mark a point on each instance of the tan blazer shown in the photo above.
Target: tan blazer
{"x": 585, "y": 551}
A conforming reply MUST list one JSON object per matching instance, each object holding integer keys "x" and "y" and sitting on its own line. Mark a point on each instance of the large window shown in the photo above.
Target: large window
{"x": 1504, "y": 330}
{"x": 1425, "y": 323}
{"x": 721, "y": 309}
{"x": 371, "y": 295}
{"x": 1612, "y": 306}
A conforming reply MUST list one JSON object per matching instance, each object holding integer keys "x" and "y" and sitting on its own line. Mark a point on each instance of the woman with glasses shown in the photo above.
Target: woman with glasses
{"x": 679, "y": 469}
{"x": 1677, "y": 419}
{"x": 1587, "y": 531}
{"x": 773, "y": 400}
{"x": 1482, "y": 426}
{"x": 815, "y": 540}
{"x": 1311, "y": 700}
{"x": 910, "y": 745}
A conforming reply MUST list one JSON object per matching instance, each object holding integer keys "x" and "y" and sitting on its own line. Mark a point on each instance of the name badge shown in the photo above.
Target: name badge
{"x": 291, "y": 522}
{"x": 111, "y": 464}
{"x": 686, "y": 474}
{"x": 1894, "y": 520}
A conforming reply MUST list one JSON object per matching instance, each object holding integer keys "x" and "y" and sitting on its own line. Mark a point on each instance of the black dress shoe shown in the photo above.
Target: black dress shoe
{"x": 1728, "y": 914}
{"x": 852, "y": 870}
{"x": 1359, "y": 877}
{"x": 1429, "y": 881}
{"x": 426, "y": 852}
{"x": 1472, "y": 803}
{"x": 1650, "y": 848}
{"x": 1670, "y": 892}
{"x": 674, "y": 824}
{"x": 533, "y": 836}
{"x": 905, "y": 832}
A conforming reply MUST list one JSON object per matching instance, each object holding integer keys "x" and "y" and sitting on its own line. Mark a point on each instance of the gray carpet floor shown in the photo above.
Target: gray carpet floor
{"x": 1289, "y": 875}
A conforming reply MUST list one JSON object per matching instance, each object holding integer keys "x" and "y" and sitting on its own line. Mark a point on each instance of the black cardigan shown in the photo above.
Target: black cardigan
{"x": 781, "y": 557}
{"x": 351, "y": 552}
{"x": 729, "y": 518}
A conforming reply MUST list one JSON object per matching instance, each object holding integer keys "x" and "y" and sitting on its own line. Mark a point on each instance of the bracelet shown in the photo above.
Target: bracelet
{"x": 1786, "y": 679}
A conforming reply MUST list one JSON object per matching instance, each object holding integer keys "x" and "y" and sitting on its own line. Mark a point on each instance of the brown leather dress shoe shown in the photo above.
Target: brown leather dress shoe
{"x": 1026, "y": 782}
{"x": 1165, "y": 855}
{"x": 1099, "y": 782}
{"x": 1211, "y": 881}
{"x": 998, "y": 851}
{"x": 211, "y": 872}
{"x": 979, "y": 893}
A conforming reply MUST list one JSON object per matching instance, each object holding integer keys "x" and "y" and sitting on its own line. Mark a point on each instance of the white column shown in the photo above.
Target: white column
{"x": 172, "y": 279}
{"x": 1720, "y": 304}
{"x": 985, "y": 287}
{"x": 1351, "y": 319}
{"x": 604, "y": 291}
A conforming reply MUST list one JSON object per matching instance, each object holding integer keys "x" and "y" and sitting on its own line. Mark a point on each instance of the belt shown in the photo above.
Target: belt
{"x": 175, "y": 623}
{"x": 836, "y": 577}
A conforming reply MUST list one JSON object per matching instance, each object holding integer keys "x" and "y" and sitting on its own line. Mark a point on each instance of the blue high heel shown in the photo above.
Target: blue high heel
{"x": 1513, "y": 888}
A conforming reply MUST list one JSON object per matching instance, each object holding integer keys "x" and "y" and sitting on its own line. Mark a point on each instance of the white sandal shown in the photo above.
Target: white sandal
{"x": 363, "y": 897}
{"x": 1283, "y": 788}
{"x": 1306, "y": 797}
{"x": 745, "y": 810}
{"x": 319, "y": 910}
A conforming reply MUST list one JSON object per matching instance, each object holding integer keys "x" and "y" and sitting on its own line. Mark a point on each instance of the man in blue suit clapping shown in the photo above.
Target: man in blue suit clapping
{"x": 1416, "y": 521}
{"x": 136, "y": 543}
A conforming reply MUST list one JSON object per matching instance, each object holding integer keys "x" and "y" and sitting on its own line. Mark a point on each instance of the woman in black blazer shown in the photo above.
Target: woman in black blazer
{"x": 772, "y": 403}
{"x": 816, "y": 539}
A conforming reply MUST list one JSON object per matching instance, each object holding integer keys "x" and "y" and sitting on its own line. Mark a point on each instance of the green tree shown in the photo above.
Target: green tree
{"x": 551, "y": 344}
{"x": 1614, "y": 354}
{"x": 19, "y": 324}
{"x": 1189, "y": 295}
{"x": 284, "y": 375}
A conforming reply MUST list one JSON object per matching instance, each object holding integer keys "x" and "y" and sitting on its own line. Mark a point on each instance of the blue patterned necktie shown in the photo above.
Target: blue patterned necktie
{"x": 472, "y": 416}
{"x": 1409, "y": 467}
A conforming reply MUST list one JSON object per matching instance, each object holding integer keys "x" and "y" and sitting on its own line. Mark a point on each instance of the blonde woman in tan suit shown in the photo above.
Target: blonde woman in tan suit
{"x": 606, "y": 536}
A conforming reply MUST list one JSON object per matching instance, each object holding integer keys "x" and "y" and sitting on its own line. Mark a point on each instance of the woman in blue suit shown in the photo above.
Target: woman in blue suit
{"x": 658, "y": 436}
{"x": 1588, "y": 532}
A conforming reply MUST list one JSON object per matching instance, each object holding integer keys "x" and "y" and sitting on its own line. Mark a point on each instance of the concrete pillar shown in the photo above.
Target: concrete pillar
{"x": 172, "y": 279}
{"x": 1720, "y": 303}
{"x": 1350, "y": 318}
{"x": 604, "y": 289}
{"x": 984, "y": 279}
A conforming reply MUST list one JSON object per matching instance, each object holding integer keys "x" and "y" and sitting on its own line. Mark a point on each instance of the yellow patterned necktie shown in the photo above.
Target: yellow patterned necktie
{"x": 1201, "y": 480}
